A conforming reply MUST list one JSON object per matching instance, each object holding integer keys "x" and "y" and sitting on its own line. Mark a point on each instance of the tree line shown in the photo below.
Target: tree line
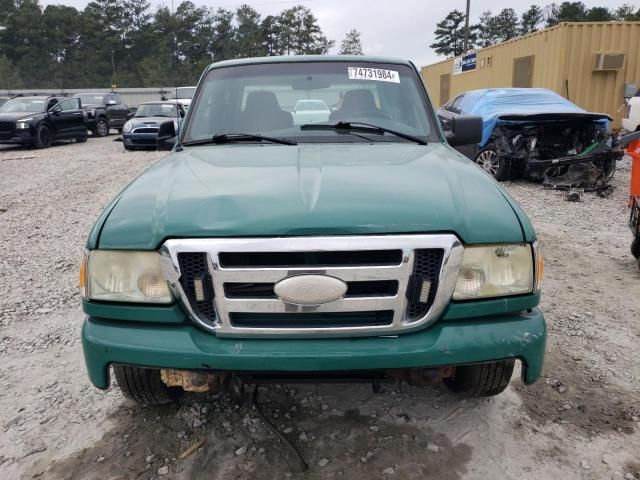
{"x": 124, "y": 42}
{"x": 507, "y": 24}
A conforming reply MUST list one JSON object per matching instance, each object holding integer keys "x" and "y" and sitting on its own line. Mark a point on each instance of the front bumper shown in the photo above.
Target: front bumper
{"x": 146, "y": 140}
{"x": 517, "y": 335}
{"x": 18, "y": 137}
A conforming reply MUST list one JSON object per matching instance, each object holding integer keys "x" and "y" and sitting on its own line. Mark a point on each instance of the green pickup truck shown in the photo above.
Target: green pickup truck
{"x": 357, "y": 245}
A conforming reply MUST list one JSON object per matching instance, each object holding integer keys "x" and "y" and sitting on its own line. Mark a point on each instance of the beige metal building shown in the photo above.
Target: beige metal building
{"x": 588, "y": 63}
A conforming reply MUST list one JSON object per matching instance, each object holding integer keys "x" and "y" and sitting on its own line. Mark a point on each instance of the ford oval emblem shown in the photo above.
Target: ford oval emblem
{"x": 310, "y": 289}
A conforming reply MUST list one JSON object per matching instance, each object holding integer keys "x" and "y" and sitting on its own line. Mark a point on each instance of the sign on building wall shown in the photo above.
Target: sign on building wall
{"x": 465, "y": 63}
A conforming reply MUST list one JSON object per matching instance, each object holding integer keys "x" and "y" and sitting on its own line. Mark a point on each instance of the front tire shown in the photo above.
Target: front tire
{"x": 490, "y": 162}
{"x": 43, "y": 137}
{"x": 143, "y": 385}
{"x": 102, "y": 128}
{"x": 482, "y": 380}
{"x": 635, "y": 248}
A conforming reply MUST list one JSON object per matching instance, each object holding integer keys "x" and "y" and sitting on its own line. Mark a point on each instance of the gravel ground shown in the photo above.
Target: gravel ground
{"x": 580, "y": 421}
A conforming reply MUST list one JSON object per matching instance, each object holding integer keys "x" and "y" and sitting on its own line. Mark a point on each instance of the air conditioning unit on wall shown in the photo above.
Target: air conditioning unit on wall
{"x": 604, "y": 62}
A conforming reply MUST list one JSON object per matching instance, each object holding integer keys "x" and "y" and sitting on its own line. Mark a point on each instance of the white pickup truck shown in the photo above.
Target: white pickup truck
{"x": 631, "y": 120}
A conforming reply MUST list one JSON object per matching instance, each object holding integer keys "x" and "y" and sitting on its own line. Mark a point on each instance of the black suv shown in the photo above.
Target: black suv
{"x": 104, "y": 112}
{"x": 40, "y": 121}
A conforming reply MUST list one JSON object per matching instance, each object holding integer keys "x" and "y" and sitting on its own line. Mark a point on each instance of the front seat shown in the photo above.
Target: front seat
{"x": 356, "y": 104}
{"x": 262, "y": 113}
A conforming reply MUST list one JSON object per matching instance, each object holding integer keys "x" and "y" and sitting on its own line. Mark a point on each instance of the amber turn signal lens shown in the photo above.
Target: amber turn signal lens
{"x": 539, "y": 269}
{"x": 83, "y": 277}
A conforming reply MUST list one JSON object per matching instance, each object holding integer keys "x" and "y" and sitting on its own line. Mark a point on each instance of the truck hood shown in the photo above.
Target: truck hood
{"x": 310, "y": 189}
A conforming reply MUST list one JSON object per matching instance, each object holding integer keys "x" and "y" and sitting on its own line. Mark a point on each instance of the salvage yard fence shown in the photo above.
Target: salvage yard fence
{"x": 131, "y": 96}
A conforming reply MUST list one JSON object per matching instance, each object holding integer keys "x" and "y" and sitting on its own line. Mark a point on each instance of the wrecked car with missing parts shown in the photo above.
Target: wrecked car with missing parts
{"x": 362, "y": 248}
{"x": 536, "y": 133}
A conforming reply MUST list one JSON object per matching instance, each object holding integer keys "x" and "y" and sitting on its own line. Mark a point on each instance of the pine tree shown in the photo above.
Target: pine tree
{"x": 351, "y": 45}
{"x": 530, "y": 20}
{"x": 450, "y": 35}
{"x": 488, "y": 32}
{"x": 249, "y": 33}
{"x": 507, "y": 24}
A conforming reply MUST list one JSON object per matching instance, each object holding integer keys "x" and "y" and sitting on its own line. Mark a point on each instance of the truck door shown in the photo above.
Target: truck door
{"x": 66, "y": 118}
{"x": 118, "y": 111}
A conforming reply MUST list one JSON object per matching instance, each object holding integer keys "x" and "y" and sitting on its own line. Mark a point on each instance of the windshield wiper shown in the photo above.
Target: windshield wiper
{"x": 238, "y": 137}
{"x": 361, "y": 127}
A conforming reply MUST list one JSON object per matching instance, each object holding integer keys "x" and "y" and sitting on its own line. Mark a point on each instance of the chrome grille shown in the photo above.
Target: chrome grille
{"x": 379, "y": 272}
{"x": 145, "y": 130}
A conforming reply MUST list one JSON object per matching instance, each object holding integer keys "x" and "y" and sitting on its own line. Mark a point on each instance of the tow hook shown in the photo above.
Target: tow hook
{"x": 422, "y": 376}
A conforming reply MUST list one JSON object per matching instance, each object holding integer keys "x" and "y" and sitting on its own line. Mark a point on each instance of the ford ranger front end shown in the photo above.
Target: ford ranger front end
{"x": 360, "y": 246}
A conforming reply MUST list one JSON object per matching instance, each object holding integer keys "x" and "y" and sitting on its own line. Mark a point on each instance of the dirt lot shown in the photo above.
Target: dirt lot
{"x": 580, "y": 421}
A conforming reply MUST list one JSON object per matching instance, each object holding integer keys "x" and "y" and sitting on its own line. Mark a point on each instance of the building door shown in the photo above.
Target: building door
{"x": 523, "y": 72}
{"x": 445, "y": 87}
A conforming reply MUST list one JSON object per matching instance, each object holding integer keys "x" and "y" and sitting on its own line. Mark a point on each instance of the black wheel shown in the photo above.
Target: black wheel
{"x": 144, "y": 385}
{"x": 489, "y": 161}
{"x": 635, "y": 247}
{"x": 119, "y": 130}
{"x": 43, "y": 137}
{"x": 102, "y": 128}
{"x": 482, "y": 380}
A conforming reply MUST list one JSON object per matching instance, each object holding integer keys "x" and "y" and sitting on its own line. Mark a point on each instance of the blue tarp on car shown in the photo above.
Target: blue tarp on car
{"x": 493, "y": 103}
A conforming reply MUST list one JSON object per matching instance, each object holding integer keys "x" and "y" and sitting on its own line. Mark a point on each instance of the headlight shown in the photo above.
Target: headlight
{"x": 22, "y": 125}
{"x": 124, "y": 276}
{"x": 127, "y": 127}
{"x": 495, "y": 271}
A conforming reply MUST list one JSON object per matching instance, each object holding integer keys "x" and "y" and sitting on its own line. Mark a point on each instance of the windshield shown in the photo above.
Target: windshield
{"x": 157, "y": 110}
{"x": 183, "y": 92}
{"x": 277, "y": 99}
{"x": 91, "y": 99}
{"x": 24, "y": 105}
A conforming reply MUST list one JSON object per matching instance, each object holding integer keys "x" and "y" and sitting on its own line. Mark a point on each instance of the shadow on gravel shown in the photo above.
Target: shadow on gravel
{"x": 586, "y": 402}
{"x": 212, "y": 437}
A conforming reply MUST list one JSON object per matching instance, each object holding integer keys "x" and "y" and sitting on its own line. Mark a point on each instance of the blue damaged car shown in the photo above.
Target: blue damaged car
{"x": 142, "y": 130}
{"x": 536, "y": 133}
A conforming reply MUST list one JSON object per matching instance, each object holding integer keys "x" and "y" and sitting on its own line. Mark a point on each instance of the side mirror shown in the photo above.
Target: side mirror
{"x": 464, "y": 130}
{"x": 56, "y": 109}
{"x": 166, "y": 136}
{"x": 444, "y": 122}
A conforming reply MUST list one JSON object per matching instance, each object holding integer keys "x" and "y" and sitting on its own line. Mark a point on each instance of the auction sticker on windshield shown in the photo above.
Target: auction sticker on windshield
{"x": 378, "y": 74}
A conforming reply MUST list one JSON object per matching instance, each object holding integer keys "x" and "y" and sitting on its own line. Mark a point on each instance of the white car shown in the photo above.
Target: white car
{"x": 182, "y": 96}
{"x": 631, "y": 122}
{"x": 310, "y": 111}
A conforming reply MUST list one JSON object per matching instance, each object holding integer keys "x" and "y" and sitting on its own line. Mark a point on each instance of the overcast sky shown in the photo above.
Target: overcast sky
{"x": 399, "y": 28}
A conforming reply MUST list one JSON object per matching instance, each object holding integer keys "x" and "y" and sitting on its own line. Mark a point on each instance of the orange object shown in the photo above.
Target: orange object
{"x": 633, "y": 150}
